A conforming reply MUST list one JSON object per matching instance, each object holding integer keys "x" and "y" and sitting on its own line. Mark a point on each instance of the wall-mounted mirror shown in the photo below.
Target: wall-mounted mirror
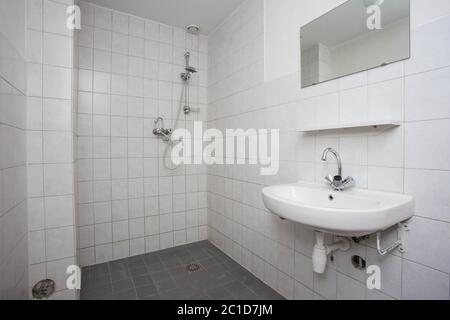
{"x": 356, "y": 36}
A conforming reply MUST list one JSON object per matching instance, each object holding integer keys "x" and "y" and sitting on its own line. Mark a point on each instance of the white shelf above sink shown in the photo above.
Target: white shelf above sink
{"x": 370, "y": 127}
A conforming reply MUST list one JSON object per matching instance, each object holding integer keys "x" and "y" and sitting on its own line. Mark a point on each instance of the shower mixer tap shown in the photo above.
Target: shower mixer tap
{"x": 160, "y": 131}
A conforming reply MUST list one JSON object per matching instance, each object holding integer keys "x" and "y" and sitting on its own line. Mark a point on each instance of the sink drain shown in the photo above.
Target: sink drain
{"x": 193, "y": 267}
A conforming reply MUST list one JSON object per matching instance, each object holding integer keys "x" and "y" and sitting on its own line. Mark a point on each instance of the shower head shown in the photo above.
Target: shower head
{"x": 193, "y": 29}
{"x": 188, "y": 68}
{"x": 191, "y": 69}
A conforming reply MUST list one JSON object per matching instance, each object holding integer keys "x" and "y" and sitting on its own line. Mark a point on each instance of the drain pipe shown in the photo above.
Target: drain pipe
{"x": 321, "y": 251}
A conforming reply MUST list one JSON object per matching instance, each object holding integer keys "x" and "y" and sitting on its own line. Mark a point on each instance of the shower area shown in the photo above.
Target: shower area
{"x": 137, "y": 84}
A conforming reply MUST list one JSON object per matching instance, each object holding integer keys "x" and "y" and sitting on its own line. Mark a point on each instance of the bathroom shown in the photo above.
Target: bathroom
{"x": 125, "y": 172}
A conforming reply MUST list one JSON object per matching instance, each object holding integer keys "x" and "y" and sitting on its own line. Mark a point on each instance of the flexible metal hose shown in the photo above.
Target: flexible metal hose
{"x": 171, "y": 143}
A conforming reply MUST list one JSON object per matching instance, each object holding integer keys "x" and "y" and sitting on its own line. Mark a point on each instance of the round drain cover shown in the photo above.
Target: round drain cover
{"x": 193, "y": 267}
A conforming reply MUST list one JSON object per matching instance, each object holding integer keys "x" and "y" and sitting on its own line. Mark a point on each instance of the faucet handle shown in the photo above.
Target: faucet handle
{"x": 329, "y": 179}
{"x": 349, "y": 182}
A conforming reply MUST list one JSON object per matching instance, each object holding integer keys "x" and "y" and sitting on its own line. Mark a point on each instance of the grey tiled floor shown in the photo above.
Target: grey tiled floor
{"x": 163, "y": 275}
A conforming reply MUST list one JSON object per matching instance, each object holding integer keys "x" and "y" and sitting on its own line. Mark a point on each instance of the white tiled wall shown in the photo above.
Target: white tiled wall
{"x": 413, "y": 159}
{"x": 50, "y": 157}
{"x": 129, "y": 74}
{"x": 13, "y": 188}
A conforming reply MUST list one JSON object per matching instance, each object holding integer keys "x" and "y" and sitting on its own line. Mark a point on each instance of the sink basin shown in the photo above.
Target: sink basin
{"x": 351, "y": 213}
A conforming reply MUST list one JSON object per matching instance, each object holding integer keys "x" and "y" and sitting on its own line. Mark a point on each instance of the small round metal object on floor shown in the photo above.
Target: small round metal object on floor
{"x": 43, "y": 289}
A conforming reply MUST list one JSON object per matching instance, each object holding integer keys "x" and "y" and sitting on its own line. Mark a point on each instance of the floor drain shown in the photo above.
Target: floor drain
{"x": 43, "y": 289}
{"x": 193, "y": 267}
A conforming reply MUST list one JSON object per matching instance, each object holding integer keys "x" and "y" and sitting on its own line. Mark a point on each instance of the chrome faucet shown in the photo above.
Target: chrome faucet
{"x": 159, "y": 130}
{"x": 336, "y": 182}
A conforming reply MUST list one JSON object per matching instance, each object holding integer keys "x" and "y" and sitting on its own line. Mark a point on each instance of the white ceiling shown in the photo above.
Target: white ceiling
{"x": 208, "y": 14}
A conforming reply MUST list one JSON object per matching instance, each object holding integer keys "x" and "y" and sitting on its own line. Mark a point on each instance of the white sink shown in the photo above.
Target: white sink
{"x": 351, "y": 213}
